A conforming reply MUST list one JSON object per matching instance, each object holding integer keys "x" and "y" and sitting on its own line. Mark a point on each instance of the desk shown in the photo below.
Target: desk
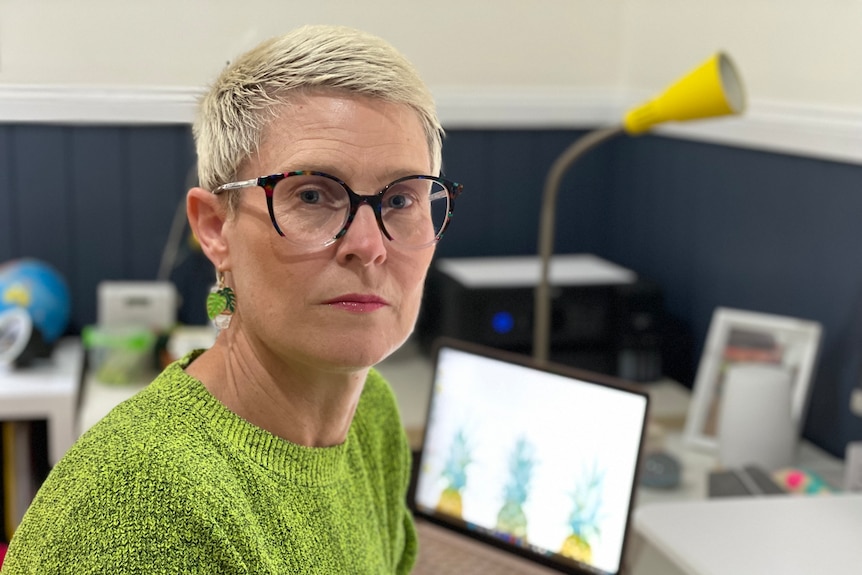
{"x": 654, "y": 549}
{"x": 784, "y": 534}
{"x": 48, "y": 389}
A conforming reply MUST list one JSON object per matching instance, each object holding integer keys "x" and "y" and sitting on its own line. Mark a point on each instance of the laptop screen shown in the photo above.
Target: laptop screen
{"x": 542, "y": 459}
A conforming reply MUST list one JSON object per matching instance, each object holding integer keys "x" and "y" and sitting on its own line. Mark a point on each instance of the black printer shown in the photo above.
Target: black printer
{"x": 603, "y": 316}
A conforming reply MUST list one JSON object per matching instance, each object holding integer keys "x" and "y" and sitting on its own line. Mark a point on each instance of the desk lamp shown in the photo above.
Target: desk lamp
{"x": 712, "y": 89}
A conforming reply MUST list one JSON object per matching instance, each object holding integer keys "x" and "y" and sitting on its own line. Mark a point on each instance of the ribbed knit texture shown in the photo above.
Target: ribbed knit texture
{"x": 171, "y": 481}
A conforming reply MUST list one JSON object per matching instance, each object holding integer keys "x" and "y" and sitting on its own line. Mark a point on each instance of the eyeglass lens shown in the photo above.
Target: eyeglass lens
{"x": 312, "y": 209}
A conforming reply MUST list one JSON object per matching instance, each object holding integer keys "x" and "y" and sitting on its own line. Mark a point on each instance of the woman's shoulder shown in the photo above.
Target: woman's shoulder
{"x": 152, "y": 428}
{"x": 377, "y": 393}
{"x": 378, "y": 414}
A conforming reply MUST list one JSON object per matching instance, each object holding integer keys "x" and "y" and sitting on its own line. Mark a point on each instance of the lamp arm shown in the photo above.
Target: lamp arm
{"x": 547, "y": 219}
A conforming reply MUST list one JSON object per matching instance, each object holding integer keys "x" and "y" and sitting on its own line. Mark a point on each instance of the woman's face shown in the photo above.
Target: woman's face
{"x": 348, "y": 305}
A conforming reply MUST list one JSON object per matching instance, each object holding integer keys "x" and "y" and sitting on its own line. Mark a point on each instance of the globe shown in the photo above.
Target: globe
{"x": 39, "y": 289}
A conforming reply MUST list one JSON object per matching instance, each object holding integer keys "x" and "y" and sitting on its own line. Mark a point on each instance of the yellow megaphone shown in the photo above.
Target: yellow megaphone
{"x": 712, "y": 89}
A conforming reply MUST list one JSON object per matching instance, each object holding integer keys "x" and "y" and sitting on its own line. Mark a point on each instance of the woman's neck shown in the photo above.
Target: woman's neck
{"x": 301, "y": 403}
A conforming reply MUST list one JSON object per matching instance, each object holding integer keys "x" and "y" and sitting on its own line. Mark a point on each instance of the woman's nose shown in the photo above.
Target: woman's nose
{"x": 364, "y": 238}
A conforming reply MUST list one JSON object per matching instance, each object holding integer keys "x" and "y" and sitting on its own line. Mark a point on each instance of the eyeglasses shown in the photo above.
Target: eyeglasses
{"x": 314, "y": 209}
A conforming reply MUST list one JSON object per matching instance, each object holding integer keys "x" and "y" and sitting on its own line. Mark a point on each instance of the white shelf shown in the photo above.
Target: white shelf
{"x": 47, "y": 389}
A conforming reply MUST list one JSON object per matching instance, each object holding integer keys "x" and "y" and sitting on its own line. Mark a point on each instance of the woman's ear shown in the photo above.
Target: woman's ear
{"x": 207, "y": 216}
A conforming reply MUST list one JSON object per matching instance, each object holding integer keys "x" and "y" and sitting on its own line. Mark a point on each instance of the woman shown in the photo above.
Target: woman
{"x": 278, "y": 450}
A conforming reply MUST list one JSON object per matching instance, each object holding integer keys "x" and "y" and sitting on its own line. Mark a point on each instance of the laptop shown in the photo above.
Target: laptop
{"x": 533, "y": 467}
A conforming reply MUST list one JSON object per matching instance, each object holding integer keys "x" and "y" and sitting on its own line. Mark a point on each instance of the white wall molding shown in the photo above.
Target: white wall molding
{"x": 813, "y": 131}
{"x": 79, "y": 105}
{"x": 827, "y": 133}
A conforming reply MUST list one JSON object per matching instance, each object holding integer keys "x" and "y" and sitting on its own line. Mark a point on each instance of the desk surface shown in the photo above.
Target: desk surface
{"x": 787, "y": 534}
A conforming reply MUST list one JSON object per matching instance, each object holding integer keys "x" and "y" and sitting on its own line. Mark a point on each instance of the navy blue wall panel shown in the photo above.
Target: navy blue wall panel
{"x": 8, "y": 230}
{"x": 466, "y": 159}
{"x": 40, "y": 187}
{"x": 713, "y": 225}
{"x": 503, "y": 172}
{"x": 96, "y": 187}
{"x": 161, "y": 158}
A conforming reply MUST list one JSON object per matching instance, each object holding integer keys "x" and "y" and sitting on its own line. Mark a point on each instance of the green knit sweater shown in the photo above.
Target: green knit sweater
{"x": 171, "y": 481}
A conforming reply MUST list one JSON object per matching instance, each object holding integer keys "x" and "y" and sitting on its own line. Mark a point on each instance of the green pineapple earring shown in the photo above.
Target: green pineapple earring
{"x": 221, "y": 303}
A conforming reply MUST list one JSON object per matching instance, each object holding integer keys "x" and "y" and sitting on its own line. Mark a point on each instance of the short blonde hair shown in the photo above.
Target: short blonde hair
{"x": 245, "y": 97}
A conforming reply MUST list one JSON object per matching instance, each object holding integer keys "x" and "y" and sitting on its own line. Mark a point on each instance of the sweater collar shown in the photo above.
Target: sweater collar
{"x": 308, "y": 466}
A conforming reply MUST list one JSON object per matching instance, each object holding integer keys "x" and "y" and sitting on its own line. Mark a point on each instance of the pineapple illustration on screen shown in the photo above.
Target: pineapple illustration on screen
{"x": 586, "y": 500}
{"x": 455, "y": 473}
{"x": 511, "y": 518}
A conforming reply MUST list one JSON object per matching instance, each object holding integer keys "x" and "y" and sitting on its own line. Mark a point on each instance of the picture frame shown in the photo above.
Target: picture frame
{"x": 745, "y": 336}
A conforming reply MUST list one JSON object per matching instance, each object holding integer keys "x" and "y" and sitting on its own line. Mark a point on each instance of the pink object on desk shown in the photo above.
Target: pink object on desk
{"x": 795, "y": 480}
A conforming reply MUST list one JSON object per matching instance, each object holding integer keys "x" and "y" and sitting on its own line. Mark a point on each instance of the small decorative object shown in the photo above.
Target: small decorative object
{"x": 120, "y": 354}
{"x": 744, "y": 337}
{"x": 35, "y": 307}
{"x": 801, "y": 481}
{"x": 40, "y": 290}
{"x": 221, "y": 303}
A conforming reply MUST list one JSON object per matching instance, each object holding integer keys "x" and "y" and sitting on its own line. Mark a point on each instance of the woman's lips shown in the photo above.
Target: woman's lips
{"x": 359, "y": 303}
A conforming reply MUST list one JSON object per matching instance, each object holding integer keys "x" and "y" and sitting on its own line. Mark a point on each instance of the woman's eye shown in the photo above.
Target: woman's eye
{"x": 309, "y": 196}
{"x": 398, "y": 201}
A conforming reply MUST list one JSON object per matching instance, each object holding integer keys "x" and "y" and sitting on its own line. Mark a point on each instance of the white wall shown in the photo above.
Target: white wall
{"x": 490, "y": 62}
{"x": 801, "y": 51}
{"x": 186, "y": 42}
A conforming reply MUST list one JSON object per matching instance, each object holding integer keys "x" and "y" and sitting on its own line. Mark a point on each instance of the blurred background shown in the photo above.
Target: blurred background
{"x": 759, "y": 212}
